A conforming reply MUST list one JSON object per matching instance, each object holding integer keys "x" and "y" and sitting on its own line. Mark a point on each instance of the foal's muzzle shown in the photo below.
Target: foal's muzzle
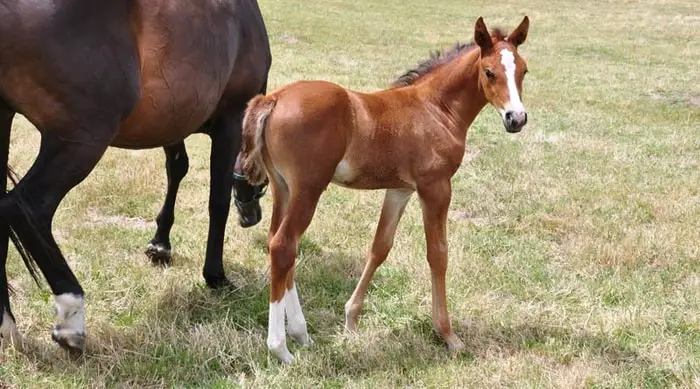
{"x": 246, "y": 198}
{"x": 514, "y": 121}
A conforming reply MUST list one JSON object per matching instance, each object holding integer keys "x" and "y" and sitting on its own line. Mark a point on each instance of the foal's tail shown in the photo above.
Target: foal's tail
{"x": 254, "y": 122}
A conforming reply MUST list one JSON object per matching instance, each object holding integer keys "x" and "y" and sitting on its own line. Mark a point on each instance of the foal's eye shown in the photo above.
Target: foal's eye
{"x": 490, "y": 74}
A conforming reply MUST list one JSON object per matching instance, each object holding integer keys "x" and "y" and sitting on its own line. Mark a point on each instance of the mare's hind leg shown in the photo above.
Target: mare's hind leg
{"x": 435, "y": 202}
{"x": 176, "y": 166}
{"x": 29, "y": 208}
{"x": 283, "y": 250}
{"x": 395, "y": 201}
{"x": 225, "y": 133}
{"x": 7, "y": 321}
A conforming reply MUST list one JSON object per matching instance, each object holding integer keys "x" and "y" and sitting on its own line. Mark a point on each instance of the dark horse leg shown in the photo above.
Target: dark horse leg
{"x": 7, "y": 320}
{"x": 176, "y": 166}
{"x": 225, "y": 133}
{"x": 29, "y": 209}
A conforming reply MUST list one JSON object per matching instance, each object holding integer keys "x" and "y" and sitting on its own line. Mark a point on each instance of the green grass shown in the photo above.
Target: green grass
{"x": 573, "y": 245}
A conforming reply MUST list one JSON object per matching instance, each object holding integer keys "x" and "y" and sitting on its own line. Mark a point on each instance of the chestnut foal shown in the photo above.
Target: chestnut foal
{"x": 409, "y": 138}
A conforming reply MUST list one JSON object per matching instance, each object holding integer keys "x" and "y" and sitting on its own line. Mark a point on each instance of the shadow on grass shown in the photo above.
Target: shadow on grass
{"x": 166, "y": 343}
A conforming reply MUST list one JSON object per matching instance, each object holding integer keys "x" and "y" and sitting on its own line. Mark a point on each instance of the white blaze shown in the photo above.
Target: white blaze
{"x": 508, "y": 61}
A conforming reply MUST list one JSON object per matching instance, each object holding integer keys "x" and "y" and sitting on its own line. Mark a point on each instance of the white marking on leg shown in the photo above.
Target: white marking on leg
{"x": 70, "y": 328}
{"x": 276, "y": 337}
{"x": 514, "y": 104}
{"x": 296, "y": 323}
{"x": 8, "y": 329}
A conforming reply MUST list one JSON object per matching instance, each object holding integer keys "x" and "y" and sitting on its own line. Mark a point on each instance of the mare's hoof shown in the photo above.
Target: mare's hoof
{"x": 8, "y": 331}
{"x": 69, "y": 339}
{"x": 159, "y": 254}
{"x": 218, "y": 282}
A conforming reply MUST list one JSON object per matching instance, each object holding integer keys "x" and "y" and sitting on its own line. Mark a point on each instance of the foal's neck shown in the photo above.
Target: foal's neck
{"x": 455, "y": 91}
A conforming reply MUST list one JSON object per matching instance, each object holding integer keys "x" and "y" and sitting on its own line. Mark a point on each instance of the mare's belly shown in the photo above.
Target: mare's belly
{"x": 164, "y": 116}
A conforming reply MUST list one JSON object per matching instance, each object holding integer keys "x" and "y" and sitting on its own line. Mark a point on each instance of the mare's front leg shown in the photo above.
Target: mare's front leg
{"x": 435, "y": 202}
{"x": 8, "y": 330}
{"x": 29, "y": 209}
{"x": 395, "y": 201}
{"x": 176, "y": 166}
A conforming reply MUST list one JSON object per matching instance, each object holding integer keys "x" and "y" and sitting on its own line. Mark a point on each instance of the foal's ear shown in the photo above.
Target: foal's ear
{"x": 518, "y": 36}
{"x": 482, "y": 36}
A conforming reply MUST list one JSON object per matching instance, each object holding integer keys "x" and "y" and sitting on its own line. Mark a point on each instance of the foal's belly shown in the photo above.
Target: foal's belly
{"x": 356, "y": 175}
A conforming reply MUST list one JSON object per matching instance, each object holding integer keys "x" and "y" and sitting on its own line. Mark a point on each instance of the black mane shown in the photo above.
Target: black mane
{"x": 439, "y": 58}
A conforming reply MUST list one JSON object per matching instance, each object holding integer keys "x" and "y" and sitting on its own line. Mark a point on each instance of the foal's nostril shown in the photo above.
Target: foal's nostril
{"x": 509, "y": 116}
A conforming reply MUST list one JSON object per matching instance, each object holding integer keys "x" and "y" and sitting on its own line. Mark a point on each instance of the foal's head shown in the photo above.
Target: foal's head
{"x": 501, "y": 72}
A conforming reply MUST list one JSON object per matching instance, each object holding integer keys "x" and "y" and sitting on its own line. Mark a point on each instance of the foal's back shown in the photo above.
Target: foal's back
{"x": 377, "y": 140}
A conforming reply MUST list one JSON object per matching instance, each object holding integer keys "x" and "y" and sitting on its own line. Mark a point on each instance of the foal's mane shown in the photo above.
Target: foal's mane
{"x": 439, "y": 58}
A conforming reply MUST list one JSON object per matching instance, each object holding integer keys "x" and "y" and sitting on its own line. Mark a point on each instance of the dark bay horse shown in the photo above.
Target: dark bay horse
{"x": 409, "y": 138}
{"x": 131, "y": 74}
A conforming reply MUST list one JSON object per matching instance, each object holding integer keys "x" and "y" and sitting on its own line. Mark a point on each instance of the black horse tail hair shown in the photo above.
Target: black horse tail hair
{"x": 27, "y": 257}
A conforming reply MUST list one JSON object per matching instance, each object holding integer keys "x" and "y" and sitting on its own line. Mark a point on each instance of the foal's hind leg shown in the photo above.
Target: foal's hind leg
{"x": 283, "y": 250}
{"x": 395, "y": 201}
{"x": 435, "y": 202}
{"x": 280, "y": 201}
{"x": 29, "y": 208}
{"x": 7, "y": 322}
{"x": 176, "y": 166}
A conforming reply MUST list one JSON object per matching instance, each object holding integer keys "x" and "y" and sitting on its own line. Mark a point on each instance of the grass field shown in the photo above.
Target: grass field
{"x": 574, "y": 246}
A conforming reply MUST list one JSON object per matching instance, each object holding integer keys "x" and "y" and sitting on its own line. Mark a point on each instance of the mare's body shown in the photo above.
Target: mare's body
{"x": 126, "y": 73}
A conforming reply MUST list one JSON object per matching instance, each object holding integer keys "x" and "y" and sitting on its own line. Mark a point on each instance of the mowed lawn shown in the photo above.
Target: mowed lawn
{"x": 574, "y": 245}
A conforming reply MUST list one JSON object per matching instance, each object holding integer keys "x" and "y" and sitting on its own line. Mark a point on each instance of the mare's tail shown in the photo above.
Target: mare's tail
{"x": 254, "y": 122}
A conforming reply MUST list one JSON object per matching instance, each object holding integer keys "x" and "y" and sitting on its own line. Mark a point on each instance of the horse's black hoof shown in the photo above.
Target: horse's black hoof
{"x": 68, "y": 339}
{"x": 159, "y": 254}
{"x": 218, "y": 282}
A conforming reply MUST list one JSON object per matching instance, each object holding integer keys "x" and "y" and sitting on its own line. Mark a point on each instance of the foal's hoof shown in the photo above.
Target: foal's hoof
{"x": 283, "y": 355}
{"x": 69, "y": 339}
{"x": 159, "y": 254}
{"x": 302, "y": 339}
{"x": 455, "y": 346}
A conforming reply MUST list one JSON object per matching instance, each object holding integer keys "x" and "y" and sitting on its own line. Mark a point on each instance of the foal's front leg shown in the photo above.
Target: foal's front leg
{"x": 435, "y": 202}
{"x": 395, "y": 201}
